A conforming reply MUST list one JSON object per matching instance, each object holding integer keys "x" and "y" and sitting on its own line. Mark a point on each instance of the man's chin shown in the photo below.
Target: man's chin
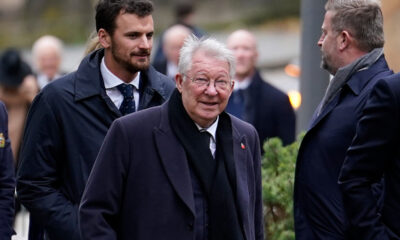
{"x": 139, "y": 67}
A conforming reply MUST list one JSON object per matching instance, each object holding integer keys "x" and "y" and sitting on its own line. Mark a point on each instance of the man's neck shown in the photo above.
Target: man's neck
{"x": 119, "y": 70}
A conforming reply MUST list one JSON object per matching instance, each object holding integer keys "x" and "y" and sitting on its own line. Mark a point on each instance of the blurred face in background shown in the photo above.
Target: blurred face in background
{"x": 174, "y": 38}
{"x": 244, "y": 46}
{"x": 48, "y": 61}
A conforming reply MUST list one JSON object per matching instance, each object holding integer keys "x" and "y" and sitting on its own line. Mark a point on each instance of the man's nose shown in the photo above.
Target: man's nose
{"x": 211, "y": 90}
{"x": 144, "y": 42}
{"x": 319, "y": 43}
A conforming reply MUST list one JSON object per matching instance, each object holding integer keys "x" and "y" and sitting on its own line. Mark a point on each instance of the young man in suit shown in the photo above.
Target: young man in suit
{"x": 255, "y": 101}
{"x": 352, "y": 51}
{"x": 70, "y": 117}
{"x": 187, "y": 171}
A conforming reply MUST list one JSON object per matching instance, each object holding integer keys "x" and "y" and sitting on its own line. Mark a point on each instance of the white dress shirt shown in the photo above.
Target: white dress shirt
{"x": 172, "y": 69}
{"x": 111, "y": 82}
{"x": 241, "y": 85}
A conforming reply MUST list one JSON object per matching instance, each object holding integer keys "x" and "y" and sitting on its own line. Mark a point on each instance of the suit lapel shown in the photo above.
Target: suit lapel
{"x": 240, "y": 157}
{"x": 174, "y": 161}
{"x": 328, "y": 108}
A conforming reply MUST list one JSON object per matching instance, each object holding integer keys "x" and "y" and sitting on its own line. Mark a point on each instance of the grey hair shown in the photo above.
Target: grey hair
{"x": 363, "y": 19}
{"x": 211, "y": 46}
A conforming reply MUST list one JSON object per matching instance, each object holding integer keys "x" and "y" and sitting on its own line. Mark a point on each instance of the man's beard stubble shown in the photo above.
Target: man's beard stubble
{"x": 132, "y": 67}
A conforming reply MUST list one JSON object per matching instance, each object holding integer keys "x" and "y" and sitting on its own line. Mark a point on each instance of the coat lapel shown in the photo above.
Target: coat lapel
{"x": 328, "y": 108}
{"x": 174, "y": 161}
{"x": 240, "y": 157}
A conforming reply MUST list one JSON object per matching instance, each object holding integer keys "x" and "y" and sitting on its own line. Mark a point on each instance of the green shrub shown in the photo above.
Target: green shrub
{"x": 277, "y": 169}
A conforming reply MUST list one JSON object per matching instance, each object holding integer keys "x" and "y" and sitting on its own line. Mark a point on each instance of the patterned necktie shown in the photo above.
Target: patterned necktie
{"x": 128, "y": 105}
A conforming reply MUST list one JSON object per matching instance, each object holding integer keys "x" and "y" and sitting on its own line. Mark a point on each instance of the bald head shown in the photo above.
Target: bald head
{"x": 47, "y": 51}
{"x": 173, "y": 40}
{"x": 244, "y": 46}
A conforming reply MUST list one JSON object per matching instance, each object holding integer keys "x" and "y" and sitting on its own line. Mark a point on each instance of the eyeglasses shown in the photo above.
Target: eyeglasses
{"x": 203, "y": 81}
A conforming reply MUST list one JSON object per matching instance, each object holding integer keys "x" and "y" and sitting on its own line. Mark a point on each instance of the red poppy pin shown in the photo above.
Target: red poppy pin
{"x": 242, "y": 146}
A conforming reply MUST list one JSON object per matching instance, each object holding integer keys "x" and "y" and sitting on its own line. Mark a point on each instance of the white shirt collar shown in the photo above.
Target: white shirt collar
{"x": 211, "y": 129}
{"x": 111, "y": 81}
{"x": 172, "y": 69}
{"x": 242, "y": 84}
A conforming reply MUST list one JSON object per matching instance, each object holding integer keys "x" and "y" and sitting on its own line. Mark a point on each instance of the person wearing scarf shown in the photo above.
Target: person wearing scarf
{"x": 183, "y": 170}
{"x": 351, "y": 45}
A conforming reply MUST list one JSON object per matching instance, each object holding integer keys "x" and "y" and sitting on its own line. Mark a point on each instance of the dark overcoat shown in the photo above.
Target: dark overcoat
{"x": 140, "y": 187}
{"x": 268, "y": 109}
{"x": 318, "y": 200}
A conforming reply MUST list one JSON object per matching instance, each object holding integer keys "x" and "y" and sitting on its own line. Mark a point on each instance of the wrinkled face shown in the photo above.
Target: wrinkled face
{"x": 131, "y": 43}
{"x": 48, "y": 62}
{"x": 204, "y": 103}
{"x": 244, "y": 47}
{"x": 328, "y": 45}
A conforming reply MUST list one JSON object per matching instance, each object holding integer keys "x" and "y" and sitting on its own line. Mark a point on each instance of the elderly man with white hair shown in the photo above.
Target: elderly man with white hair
{"x": 47, "y": 56}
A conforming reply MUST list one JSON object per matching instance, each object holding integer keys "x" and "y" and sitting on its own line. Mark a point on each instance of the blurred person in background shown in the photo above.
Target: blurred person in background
{"x": 70, "y": 117}
{"x": 267, "y": 108}
{"x": 351, "y": 45}
{"x": 7, "y": 179}
{"x": 172, "y": 42}
{"x": 47, "y": 56}
{"x": 18, "y": 87}
{"x": 184, "y": 15}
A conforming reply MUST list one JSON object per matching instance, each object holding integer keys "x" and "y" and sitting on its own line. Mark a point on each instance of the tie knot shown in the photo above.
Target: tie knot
{"x": 126, "y": 90}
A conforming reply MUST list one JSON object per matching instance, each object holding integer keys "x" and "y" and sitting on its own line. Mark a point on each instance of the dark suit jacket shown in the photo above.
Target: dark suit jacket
{"x": 318, "y": 202}
{"x": 65, "y": 128}
{"x": 269, "y": 111}
{"x": 7, "y": 180}
{"x": 374, "y": 154}
{"x": 140, "y": 186}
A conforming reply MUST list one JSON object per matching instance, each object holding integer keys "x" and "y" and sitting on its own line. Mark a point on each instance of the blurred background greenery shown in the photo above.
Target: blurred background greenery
{"x": 23, "y": 21}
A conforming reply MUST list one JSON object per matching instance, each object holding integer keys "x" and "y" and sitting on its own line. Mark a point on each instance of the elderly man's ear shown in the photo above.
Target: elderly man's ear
{"x": 179, "y": 81}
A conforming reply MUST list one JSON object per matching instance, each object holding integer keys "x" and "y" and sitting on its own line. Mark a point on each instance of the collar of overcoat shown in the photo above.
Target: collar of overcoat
{"x": 354, "y": 85}
{"x": 89, "y": 81}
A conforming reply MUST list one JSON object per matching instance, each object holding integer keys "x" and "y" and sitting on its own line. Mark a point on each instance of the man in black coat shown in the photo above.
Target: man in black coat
{"x": 7, "y": 180}
{"x": 373, "y": 155}
{"x": 352, "y": 50}
{"x": 254, "y": 100}
{"x": 70, "y": 117}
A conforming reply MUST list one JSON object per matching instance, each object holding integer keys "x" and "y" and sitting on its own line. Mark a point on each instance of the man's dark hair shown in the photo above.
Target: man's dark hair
{"x": 108, "y": 10}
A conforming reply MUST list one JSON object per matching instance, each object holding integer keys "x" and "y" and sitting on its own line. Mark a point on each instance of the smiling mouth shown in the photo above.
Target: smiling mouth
{"x": 209, "y": 103}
